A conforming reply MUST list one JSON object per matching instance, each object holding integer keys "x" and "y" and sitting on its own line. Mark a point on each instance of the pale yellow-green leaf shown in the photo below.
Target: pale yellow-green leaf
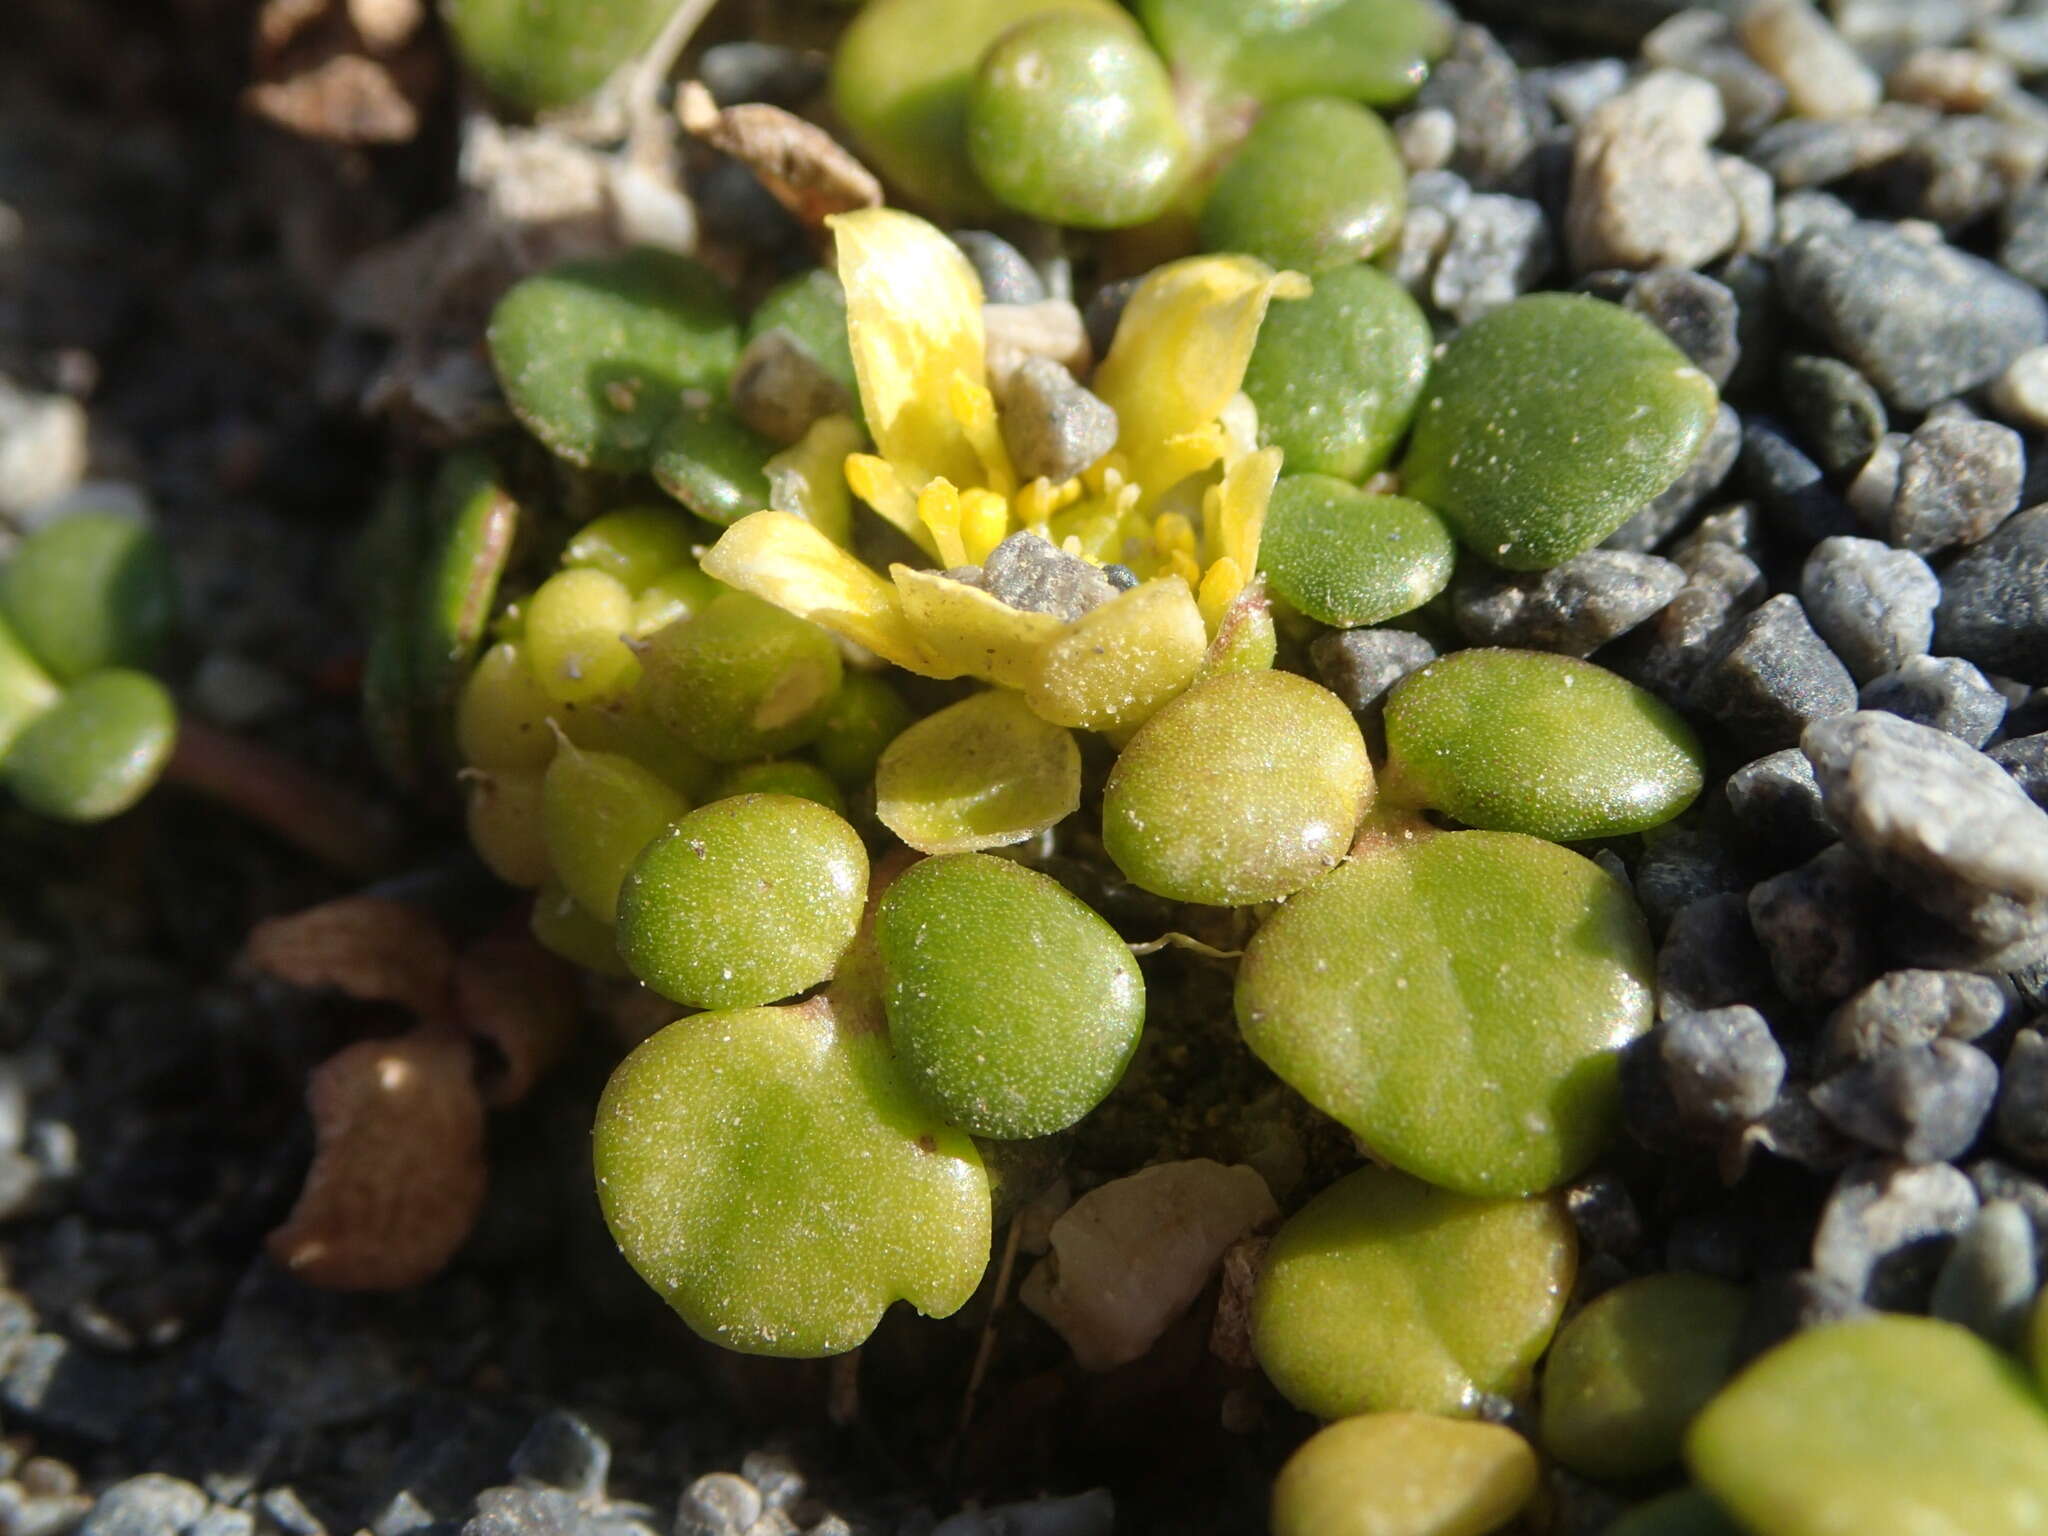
{"x": 983, "y": 773}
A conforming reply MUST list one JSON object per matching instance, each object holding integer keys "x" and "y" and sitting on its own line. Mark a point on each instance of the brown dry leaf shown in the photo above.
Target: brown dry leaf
{"x": 521, "y": 998}
{"x": 398, "y": 1171}
{"x": 1230, "y": 1335}
{"x": 376, "y": 950}
{"x": 809, "y": 172}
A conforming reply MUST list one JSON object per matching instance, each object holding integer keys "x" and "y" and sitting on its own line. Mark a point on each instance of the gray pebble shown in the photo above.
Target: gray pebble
{"x": 402, "y": 1515}
{"x": 1874, "y": 485}
{"x": 1680, "y": 866}
{"x": 2021, "y": 41}
{"x": 2021, "y": 1122}
{"x": 1799, "y": 213}
{"x": 563, "y": 1451}
{"x": 1644, "y": 190}
{"x": 1937, "y": 820}
{"x": 149, "y": 1505}
{"x": 750, "y": 71}
{"x": 1923, "y": 1103}
{"x": 1781, "y": 1306}
{"x": 1816, "y": 923}
{"x": 1958, "y": 480}
{"x": 1841, "y": 418}
{"x": 1710, "y": 958}
{"x": 549, "y": 1512}
{"x": 1029, "y": 573}
{"x": 1873, "y": 604}
{"x": 1006, "y": 277}
{"x": 1772, "y": 677}
{"x": 1658, "y": 520}
{"x": 1052, "y": 426}
{"x": 24, "y": 1513}
{"x": 1944, "y": 692}
{"x": 779, "y": 1479}
{"x": 1105, "y": 309}
{"x": 1083, "y": 1514}
{"x": 283, "y": 1508}
{"x": 1738, "y": 525}
{"x": 1427, "y": 139}
{"x": 1990, "y": 1275}
{"x": 1698, "y": 314}
{"x": 1574, "y": 90}
{"x": 1952, "y": 171}
{"x": 52, "y": 1384}
{"x": 1908, "y": 1008}
{"x": 1604, "y": 1214}
{"x": 1794, "y": 1130}
{"x": 1922, "y": 321}
{"x": 1479, "y": 85}
{"x": 1994, "y": 1180}
{"x": 1702, "y": 43}
{"x": 1887, "y": 1226}
{"x": 1446, "y": 191}
{"x": 1667, "y": 654}
{"x": 1803, "y": 152}
{"x": 1994, "y": 601}
{"x": 780, "y": 389}
{"x": 1120, "y": 576}
{"x": 1790, "y": 487}
{"x": 1499, "y": 249}
{"x": 1776, "y": 802}
{"x": 1360, "y": 665}
{"x": 221, "y": 1520}
{"x": 1722, "y": 1066}
{"x": 2026, "y": 759}
{"x": 2023, "y": 246}
{"x": 1573, "y": 608}
{"x": 2020, "y": 394}
{"x": 718, "y": 1504}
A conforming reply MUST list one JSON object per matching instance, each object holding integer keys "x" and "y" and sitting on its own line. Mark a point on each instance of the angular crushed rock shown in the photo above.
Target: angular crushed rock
{"x": 1573, "y": 608}
{"x": 1029, "y": 573}
{"x": 1958, "y": 480}
{"x": 1772, "y": 677}
{"x": 1945, "y": 692}
{"x": 1874, "y": 605}
{"x": 1994, "y": 601}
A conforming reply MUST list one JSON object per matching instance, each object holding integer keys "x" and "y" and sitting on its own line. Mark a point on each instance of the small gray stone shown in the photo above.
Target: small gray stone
{"x": 1923, "y": 322}
{"x": 149, "y": 1505}
{"x": 283, "y": 1508}
{"x": 1783, "y": 1305}
{"x": 1888, "y": 1225}
{"x": 1360, "y": 665}
{"x": 1776, "y": 802}
{"x": 779, "y": 389}
{"x": 1876, "y": 483}
{"x": 402, "y": 1515}
{"x": 718, "y": 1504}
{"x": 1644, "y": 189}
{"x": 2021, "y": 1121}
{"x": 1841, "y": 418}
{"x": 1756, "y": 204}
{"x": 1952, "y": 171}
{"x": 23, "y": 1513}
{"x": 2026, "y": 759}
{"x": 1945, "y": 692}
{"x": 2020, "y": 394}
{"x": 1800, "y": 212}
{"x": 1738, "y": 525}
{"x": 1994, "y": 601}
{"x": 1908, "y": 1008}
{"x": 1105, "y": 309}
{"x": 1479, "y": 85}
{"x": 1817, "y": 925}
{"x": 53, "y": 1385}
{"x": 1658, "y": 520}
{"x": 220, "y": 1520}
{"x": 1446, "y": 191}
{"x": 1702, "y": 43}
{"x": 1427, "y": 139}
{"x": 1053, "y": 427}
{"x": 1499, "y": 248}
{"x": 1991, "y": 1274}
{"x": 1923, "y": 1103}
{"x": 549, "y": 1512}
{"x": 1667, "y": 654}
{"x": 1083, "y": 1514}
{"x": 779, "y": 1479}
{"x": 2023, "y": 248}
{"x": 1604, "y": 1214}
{"x": 1030, "y": 573}
{"x": 1790, "y": 487}
{"x": 1710, "y": 958}
{"x": 1573, "y": 608}
{"x": 1939, "y": 821}
{"x": 1958, "y": 480}
{"x": 1772, "y": 677}
{"x": 2021, "y": 41}
{"x": 1006, "y": 277}
{"x": 1698, "y": 314}
{"x": 563, "y": 1451}
{"x": 1682, "y": 865}
{"x": 1575, "y": 89}
{"x": 1722, "y": 1066}
{"x": 1874, "y": 605}
{"x": 1803, "y": 153}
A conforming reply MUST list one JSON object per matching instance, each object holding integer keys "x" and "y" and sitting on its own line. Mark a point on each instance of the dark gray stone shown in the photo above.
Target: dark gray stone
{"x": 1794, "y": 1130}
{"x": 1790, "y": 487}
{"x": 1941, "y": 822}
{"x": 1680, "y": 866}
{"x": 563, "y": 1451}
{"x": 149, "y": 1505}
{"x": 2021, "y": 1122}
{"x": 2023, "y": 248}
{"x": 53, "y": 1385}
{"x": 1783, "y": 1305}
{"x": 1944, "y": 692}
{"x": 1572, "y": 609}
{"x": 1922, "y": 322}
{"x": 1909, "y": 1008}
{"x": 1874, "y": 605}
{"x": 770, "y": 72}
{"x": 1697, "y": 313}
{"x": 312, "y": 1358}
{"x": 1771, "y": 677}
{"x": 1817, "y": 925}
{"x": 1500, "y": 248}
{"x": 779, "y": 389}
{"x": 1666, "y": 654}
{"x": 1994, "y": 1180}
{"x": 1958, "y": 480}
{"x": 1052, "y": 426}
{"x": 1030, "y": 573}
{"x": 1722, "y": 1066}
{"x": 1710, "y": 958}
{"x": 1738, "y": 525}
{"x": 1953, "y": 171}
{"x": 1360, "y": 665}
{"x": 1006, "y": 277}
{"x": 1498, "y": 125}
{"x": 2026, "y": 759}
{"x": 1657, "y": 521}
{"x": 778, "y": 1477}
{"x": 1840, "y": 416}
{"x": 1991, "y": 1274}
{"x": 1994, "y": 601}
{"x": 1923, "y": 1103}
{"x": 1802, "y": 212}
{"x": 1887, "y": 1227}
{"x": 1804, "y": 152}
{"x": 1105, "y": 308}
{"x": 1604, "y": 1215}
{"x": 1776, "y": 802}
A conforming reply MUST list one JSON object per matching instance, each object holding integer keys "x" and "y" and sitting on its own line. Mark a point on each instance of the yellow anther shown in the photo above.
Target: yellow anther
{"x": 938, "y": 508}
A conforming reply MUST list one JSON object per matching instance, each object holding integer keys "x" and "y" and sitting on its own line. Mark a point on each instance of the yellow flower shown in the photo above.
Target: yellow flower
{"x": 1180, "y": 498}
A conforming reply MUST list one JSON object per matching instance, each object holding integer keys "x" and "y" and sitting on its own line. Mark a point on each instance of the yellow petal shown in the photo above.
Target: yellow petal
{"x": 1116, "y": 664}
{"x": 876, "y": 482}
{"x": 975, "y": 409}
{"x": 913, "y": 316}
{"x": 1237, "y": 517}
{"x": 809, "y": 478}
{"x": 1220, "y": 585}
{"x": 1180, "y": 354}
{"x": 967, "y": 631}
{"x": 780, "y": 557}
